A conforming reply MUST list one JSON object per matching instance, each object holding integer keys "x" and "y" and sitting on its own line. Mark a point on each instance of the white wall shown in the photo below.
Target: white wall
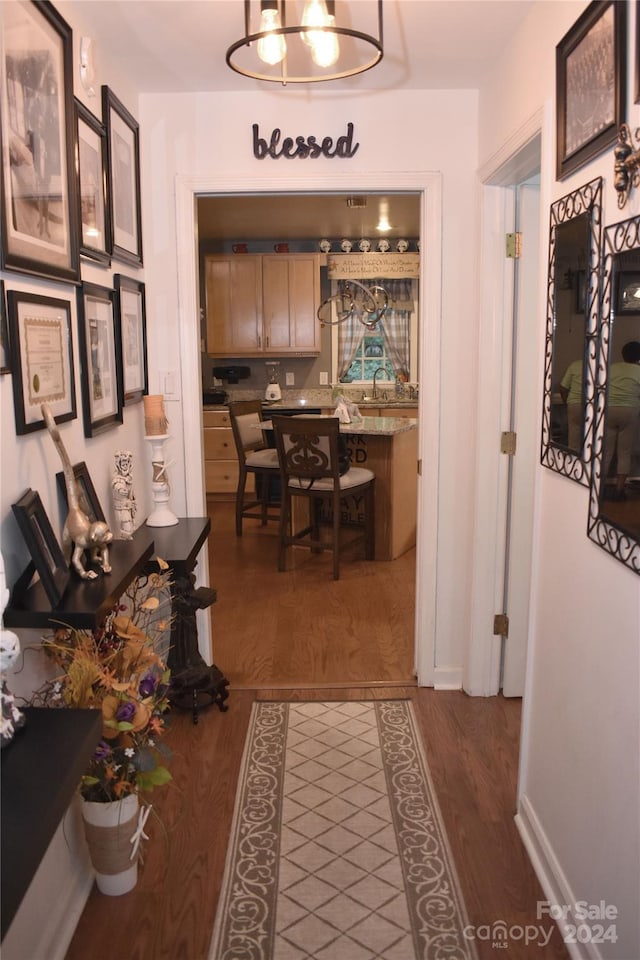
{"x": 579, "y": 790}
{"x": 210, "y": 136}
{"x": 46, "y": 920}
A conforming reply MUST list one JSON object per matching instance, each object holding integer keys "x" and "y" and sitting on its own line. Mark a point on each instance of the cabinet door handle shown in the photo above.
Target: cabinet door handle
{"x": 266, "y": 341}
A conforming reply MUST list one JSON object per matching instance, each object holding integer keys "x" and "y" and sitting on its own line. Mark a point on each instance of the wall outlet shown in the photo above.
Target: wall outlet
{"x": 290, "y": 379}
{"x": 324, "y": 379}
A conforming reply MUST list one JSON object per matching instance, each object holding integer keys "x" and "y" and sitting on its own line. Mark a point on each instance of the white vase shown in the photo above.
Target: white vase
{"x": 109, "y": 828}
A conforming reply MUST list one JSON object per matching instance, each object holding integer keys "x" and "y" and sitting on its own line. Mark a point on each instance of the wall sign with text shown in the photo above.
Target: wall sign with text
{"x": 302, "y": 147}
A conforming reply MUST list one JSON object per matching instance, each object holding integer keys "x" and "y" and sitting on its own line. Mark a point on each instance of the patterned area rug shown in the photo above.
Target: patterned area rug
{"x": 337, "y": 850}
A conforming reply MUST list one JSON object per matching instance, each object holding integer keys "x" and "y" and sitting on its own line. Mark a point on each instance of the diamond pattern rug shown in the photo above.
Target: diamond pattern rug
{"x": 337, "y": 850}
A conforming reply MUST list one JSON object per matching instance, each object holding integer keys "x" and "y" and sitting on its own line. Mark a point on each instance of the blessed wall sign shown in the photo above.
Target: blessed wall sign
{"x": 302, "y": 148}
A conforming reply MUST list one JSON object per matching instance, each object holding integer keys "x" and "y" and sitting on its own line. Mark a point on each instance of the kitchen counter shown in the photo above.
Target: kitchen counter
{"x": 379, "y": 426}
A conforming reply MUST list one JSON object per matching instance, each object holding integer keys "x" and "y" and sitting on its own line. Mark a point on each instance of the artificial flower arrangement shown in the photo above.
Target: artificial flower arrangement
{"x": 116, "y": 669}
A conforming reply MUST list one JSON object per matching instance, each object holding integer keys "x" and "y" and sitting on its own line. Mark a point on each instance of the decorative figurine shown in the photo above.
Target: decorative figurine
{"x": 11, "y": 718}
{"x": 124, "y": 500}
{"x": 78, "y": 530}
{"x": 364, "y": 246}
{"x": 346, "y": 245}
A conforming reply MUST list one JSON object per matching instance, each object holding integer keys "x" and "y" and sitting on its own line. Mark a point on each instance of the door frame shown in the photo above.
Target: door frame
{"x": 428, "y": 186}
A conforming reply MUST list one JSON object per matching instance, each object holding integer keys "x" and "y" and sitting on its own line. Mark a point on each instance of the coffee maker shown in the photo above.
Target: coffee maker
{"x": 273, "y": 392}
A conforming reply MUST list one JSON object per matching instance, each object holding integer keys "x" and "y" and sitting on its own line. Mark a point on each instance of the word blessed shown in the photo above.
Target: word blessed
{"x": 302, "y": 148}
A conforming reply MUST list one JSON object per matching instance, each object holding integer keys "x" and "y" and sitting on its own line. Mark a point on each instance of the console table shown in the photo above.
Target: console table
{"x": 41, "y": 770}
{"x": 194, "y": 684}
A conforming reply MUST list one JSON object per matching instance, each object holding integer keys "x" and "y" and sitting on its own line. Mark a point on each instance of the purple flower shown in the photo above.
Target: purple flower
{"x": 126, "y": 712}
{"x": 102, "y": 752}
{"x": 147, "y": 685}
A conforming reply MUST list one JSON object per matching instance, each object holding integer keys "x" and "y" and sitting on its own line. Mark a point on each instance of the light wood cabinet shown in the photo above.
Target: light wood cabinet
{"x": 220, "y": 458}
{"x": 290, "y": 301}
{"x": 233, "y": 286}
{"x": 262, "y": 305}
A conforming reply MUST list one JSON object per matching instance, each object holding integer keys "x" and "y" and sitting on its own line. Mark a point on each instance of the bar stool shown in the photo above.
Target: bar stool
{"x": 254, "y": 457}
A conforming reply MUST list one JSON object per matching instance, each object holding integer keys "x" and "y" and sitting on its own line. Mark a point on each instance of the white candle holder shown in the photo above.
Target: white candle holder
{"x": 161, "y": 515}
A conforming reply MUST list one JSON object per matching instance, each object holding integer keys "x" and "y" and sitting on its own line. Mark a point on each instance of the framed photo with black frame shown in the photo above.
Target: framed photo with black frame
{"x": 39, "y": 197}
{"x": 87, "y": 496}
{"x": 91, "y": 166}
{"x": 100, "y": 359}
{"x": 46, "y": 553}
{"x": 41, "y": 351}
{"x": 132, "y": 323}
{"x": 590, "y": 85}
{"x": 123, "y": 179}
{"x": 4, "y": 333}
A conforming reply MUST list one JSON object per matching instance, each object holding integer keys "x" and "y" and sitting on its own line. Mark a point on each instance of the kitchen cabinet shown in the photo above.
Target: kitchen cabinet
{"x": 220, "y": 458}
{"x": 262, "y": 305}
{"x": 290, "y": 301}
{"x": 233, "y": 286}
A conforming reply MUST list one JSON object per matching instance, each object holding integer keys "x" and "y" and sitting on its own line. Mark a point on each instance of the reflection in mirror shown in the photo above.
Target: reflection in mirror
{"x": 614, "y": 501}
{"x": 572, "y": 323}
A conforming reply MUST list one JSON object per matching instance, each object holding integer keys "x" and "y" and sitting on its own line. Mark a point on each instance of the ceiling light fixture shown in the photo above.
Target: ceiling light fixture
{"x": 314, "y": 49}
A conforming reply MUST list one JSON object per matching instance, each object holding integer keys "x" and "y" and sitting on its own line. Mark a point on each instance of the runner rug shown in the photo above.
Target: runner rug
{"x": 337, "y": 850}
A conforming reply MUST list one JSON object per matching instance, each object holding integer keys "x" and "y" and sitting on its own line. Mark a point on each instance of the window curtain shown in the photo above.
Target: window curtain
{"x": 395, "y": 326}
{"x": 350, "y": 336}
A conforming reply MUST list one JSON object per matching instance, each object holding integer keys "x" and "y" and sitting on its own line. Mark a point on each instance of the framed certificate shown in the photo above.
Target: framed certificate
{"x": 41, "y": 351}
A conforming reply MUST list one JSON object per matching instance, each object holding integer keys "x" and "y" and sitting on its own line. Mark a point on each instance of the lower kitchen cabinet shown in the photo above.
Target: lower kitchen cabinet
{"x": 220, "y": 458}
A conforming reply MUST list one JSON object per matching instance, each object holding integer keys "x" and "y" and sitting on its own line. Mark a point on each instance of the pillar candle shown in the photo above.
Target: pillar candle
{"x": 155, "y": 420}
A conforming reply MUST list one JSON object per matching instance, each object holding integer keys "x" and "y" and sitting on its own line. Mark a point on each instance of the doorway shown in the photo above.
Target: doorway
{"x": 427, "y": 187}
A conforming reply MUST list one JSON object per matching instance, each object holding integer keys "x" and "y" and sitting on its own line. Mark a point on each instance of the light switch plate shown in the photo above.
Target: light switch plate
{"x": 324, "y": 379}
{"x": 290, "y": 379}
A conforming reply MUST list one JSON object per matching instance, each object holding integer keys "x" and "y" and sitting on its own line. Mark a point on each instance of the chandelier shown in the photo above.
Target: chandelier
{"x": 282, "y": 45}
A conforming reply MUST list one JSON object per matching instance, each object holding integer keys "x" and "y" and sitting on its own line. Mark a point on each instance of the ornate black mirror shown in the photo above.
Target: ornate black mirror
{"x": 571, "y": 337}
{"x": 614, "y": 500}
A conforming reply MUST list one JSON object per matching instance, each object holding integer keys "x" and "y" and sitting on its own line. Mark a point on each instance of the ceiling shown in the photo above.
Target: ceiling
{"x": 298, "y": 217}
{"x": 180, "y": 45}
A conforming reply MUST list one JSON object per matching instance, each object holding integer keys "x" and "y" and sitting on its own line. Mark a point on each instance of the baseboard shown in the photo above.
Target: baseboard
{"x": 554, "y": 883}
{"x": 447, "y": 678}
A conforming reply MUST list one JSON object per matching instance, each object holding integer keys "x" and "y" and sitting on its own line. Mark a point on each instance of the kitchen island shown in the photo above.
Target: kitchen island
{"x": 389, "y": 447}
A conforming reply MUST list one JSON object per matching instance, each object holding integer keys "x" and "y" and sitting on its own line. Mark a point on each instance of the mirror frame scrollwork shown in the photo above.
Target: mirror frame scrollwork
{"x": 618, "y": 238}
{"x": 585, "y": 199}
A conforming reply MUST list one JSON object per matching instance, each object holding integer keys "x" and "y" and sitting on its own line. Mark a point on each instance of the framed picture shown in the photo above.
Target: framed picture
{"x": 46, "y": 552}
{"x": 88, "y": 497}
{"x": 39, "y": 199}
{"x": 91, "y": 165}
{"x": 41, "y": 351}
{"x": 4, "y": 334}
{"x": 123, "y": 179}
{"x": 628, "y": 293}
{"x": 590, "y": 85}
{"x": 132, "y": 323}
{"x": 100, "y": 359}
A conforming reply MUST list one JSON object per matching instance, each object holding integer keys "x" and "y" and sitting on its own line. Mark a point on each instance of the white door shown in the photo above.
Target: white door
{"x": 528, "y": 316}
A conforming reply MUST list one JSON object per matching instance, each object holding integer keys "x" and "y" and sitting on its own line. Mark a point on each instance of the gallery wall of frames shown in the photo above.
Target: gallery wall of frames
{"x": 591, "y": 401}
{"x": 70, "y": 193}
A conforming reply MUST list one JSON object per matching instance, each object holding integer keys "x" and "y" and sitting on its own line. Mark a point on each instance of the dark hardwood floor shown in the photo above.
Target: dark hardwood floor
{"x": 471, "y": 746}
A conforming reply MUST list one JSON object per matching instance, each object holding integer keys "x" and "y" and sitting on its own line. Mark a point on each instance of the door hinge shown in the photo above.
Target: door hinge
{"x": 501, "y": 625}
{"x": 514, "y": 245}
{"x": 508, "y": 442}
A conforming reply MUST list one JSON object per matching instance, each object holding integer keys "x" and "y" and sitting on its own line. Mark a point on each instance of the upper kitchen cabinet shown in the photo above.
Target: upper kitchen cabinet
{"x": 290, "y": 301}
{"x": 262, "y": 305}
{"x": 233, "y": 286}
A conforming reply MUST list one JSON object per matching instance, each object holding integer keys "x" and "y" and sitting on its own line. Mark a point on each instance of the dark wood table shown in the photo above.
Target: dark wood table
{"x": 41, "y": 770}
{"x": 194, "y": 684}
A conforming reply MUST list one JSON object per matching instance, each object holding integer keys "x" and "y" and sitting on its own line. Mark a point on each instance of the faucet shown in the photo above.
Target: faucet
{"x": 375, "y": 376}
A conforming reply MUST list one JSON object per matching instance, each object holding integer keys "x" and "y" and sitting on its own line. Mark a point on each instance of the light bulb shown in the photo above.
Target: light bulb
{"x": 272, "y": 48}
{"x": 325, "y": 48}
{"x": 314, "y": 15}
